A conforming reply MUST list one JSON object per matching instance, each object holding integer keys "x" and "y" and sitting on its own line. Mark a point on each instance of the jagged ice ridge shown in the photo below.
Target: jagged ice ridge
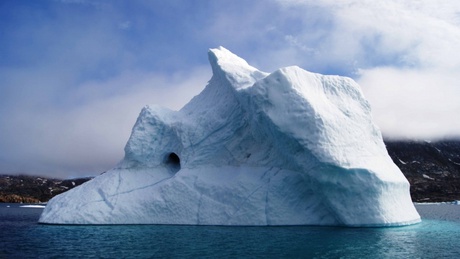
{"x": 287, "y": 148}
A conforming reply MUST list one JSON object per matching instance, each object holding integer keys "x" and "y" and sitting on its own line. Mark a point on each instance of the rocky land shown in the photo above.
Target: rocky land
{"x": 34, "y": 189}
{"x": 432, "y": 168}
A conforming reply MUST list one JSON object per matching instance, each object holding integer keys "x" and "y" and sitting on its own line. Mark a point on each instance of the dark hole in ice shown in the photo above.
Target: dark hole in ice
{"x": 173, "y": 162}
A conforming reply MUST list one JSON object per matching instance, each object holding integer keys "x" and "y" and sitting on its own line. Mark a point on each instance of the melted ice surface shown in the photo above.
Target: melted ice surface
{"x": 286, "y": 148}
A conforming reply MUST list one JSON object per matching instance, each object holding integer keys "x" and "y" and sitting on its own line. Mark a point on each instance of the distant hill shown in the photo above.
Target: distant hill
{"x": 432, "y": 168}
{"x": 34, "y": 189}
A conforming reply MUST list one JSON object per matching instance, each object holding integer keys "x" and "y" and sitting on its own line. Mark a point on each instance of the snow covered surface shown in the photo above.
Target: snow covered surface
{"x": 34, "y": 206}
{"x": 286, "y": 148}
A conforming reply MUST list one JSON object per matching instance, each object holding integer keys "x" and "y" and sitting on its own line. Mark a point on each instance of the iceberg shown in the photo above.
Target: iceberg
{"x": 252, "y": 149}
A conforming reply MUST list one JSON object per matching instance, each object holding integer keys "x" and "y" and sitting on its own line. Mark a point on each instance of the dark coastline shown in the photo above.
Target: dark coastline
{"x": 432, "y": 168}
{"x": 34, "y": 189}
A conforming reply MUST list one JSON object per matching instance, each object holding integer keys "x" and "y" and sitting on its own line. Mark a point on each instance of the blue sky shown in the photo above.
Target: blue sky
{"x": 74, "y": 74}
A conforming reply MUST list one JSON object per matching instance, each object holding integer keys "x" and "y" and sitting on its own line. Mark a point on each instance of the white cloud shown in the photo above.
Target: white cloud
{"x": 403, "y": 54}
{"x": 409, "y": 103}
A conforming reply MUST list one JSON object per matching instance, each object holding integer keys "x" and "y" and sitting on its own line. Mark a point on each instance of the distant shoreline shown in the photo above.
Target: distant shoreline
{"x": 34, "y": 189}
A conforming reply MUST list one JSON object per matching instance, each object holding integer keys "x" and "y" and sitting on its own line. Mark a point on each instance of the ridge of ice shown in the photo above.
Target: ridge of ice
{"x": 286, "y": 148}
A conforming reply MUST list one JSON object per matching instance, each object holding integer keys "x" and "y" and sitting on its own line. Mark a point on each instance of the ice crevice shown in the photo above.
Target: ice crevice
{"x": 105, "y": 199}
{"x": 267, "y": 218}
{"x": 141, "y": 187}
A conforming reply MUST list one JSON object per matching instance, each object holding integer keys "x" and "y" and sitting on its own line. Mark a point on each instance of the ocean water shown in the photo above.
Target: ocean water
{"x": 438, "y": 236}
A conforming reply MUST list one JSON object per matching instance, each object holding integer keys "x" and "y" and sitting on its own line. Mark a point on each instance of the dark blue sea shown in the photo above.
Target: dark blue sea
{"x": 438, "y": 236}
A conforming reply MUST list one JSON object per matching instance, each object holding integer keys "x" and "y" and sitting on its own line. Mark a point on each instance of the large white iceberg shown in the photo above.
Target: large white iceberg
{"x": 286, "y": 148}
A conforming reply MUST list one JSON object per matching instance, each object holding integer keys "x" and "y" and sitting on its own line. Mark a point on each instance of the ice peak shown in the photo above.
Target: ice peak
{"x": 234, "y": 69}
{"x": 222, "y": 58}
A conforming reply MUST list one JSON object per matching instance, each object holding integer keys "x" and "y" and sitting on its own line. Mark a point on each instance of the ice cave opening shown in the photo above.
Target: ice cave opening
{"x": 173, "y": 162}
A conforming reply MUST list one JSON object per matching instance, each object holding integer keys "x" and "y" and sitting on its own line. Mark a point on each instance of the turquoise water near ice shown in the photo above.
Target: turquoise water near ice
{"x": 438, "y": 236}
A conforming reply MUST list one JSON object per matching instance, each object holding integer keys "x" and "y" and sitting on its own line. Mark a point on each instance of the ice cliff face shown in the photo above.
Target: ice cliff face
{"x": 286, "y": 148}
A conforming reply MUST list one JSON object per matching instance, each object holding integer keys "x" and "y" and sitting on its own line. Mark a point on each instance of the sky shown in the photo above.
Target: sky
{"x": 74, "y": 74}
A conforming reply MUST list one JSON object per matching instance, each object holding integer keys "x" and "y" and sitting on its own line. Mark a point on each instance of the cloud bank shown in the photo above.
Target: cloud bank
{"x": 402, "y": 53}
